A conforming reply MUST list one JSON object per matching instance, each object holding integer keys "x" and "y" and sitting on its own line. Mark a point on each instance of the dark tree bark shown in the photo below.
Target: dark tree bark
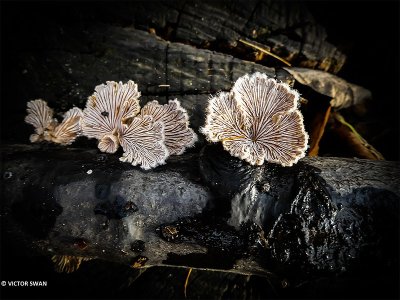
{"x": 322, "y": 215}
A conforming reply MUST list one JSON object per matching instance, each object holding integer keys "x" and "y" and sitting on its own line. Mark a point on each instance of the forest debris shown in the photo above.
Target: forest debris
{"x": 343, "y": 93}
{"x": 187, "y": 281}
{"x": 263, "y": 50}
{"x": 318, "y": 128}
{"x": 348, "y": 134}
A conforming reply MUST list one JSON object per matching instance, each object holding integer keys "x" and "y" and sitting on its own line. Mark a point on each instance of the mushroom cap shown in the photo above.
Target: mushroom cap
{"x": 40, "y": 116}
{"x": 178, "y": 136}
{"x": 143, "y": 143}
{"x": 109, "y": 143}
{"x": 69, "y": 129}
{"x": 258, "y": 121}
{"x": 258, "y": 94}
{"x": 109, "y": 108}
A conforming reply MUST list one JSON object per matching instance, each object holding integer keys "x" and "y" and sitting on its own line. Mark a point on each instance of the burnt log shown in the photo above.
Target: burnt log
{"x": 324, "y": 215}
{"x": 285, "y": 28}
{"x": 64, "y": 71}
{"x": 62, "y": 60}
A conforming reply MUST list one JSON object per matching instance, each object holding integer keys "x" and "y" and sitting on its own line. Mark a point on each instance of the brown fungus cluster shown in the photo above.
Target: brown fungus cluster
{"x": 258, "y": 121}
{"x": 112, "y": 115}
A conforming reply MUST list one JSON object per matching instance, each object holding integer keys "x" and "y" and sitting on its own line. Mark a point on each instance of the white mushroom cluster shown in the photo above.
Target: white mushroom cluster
{"x": 112, "y": 115}
{"x": 258, "y": 121}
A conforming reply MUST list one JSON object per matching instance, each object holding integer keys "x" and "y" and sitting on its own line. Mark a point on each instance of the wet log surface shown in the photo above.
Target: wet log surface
{"x": 324, "y": 216}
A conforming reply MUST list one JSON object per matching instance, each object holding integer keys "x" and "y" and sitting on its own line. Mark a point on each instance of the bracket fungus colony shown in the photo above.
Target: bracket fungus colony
{"x": 257, "y": 121}
{"x": 112, "y": 117}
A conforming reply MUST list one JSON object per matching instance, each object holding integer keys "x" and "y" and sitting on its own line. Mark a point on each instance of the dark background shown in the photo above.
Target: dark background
{"x": 367, "y": 31}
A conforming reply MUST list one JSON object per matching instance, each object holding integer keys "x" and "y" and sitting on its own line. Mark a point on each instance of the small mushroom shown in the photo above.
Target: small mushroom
{"x": 47, "y": 127}
{"x": 178, "y": 135}
{"x": 41, "y": 117}
{"x": 258, "y": 121}
{"x": 143, "y": 143}
{"x": 111, "y": 105}
{"x": 69, "y": 129}
{"x": 109, "y": 143}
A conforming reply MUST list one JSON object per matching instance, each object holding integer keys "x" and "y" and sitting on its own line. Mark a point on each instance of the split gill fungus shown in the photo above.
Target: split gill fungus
{"x": 258, "y": 121}
{"x": 47, "y": 127}
{"x": 113, "y": 116}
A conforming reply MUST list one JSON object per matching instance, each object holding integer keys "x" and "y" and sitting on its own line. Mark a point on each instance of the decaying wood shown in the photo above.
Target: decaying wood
{"x": 351, "y": 140}
{"x": 163, "y": 70}
{"x": 318, "y": 128}
{"x": 62, "y": 63}
{"x": 224, "y": 215}
{"x": 287, "y": 28}
{"x": 343, "y": 93}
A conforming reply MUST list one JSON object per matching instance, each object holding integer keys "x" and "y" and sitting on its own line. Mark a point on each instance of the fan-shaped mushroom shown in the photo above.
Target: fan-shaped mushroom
{"x": 69, "y": 129}
{"x": 107, "y": 110}
{"x": 111, "y": 116}
{"x": 258, "y": 121}
{"x": 41, "y": 117}
{"x": 178, "y": 135}
{"x": 143, "y": 143}
{"x": 47, "y": 127}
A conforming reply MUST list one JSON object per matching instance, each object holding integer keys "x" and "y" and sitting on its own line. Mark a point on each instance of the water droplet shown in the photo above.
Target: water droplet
{"x": 266, "y": 187}
{"x": 7, "y": 175}
{"x": 284, "y": 283}
{"x": 101, "y": 157}
{"x": 89, "y": 172}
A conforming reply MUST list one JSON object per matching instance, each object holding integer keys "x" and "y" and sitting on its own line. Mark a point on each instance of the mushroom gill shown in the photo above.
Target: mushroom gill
{"x": 258, "y": 121}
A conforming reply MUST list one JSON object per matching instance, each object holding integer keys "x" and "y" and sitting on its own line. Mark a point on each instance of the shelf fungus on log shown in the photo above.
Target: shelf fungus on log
{"x": 47, "y": 127}
{"x": 258, "y": 121}
{"x": 149, "y": 138}
{"x": 178, "y": 135}
{"x": 112, "y": 117}
{"x": 107, "y": 110}
{"x": 143, "y": 143}
{"x": 321, "y": 216}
